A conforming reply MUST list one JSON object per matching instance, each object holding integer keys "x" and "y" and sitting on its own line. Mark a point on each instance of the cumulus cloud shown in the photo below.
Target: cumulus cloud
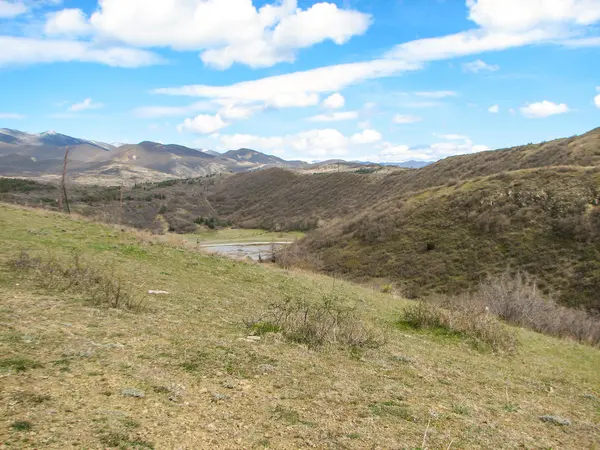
{"x": 516, "y": 15}
{"x": 10, "y": 9}
{"x": 85, "y": 105}
{"x": 334, "y": 117}
{"x": 68, "y": 22}
{"x": 494, "y": 109}
{"x": 203, "y": 124}
{"x": 310, "y": 144}
{"x": 479, "y": 66}
{"x": 366, "y": 137}
{"x": 334, "y": 101}
{"x": 20, "y": 50}
{"x": 11, "y": 116}
{"x": 544, "y": 109}
{"x": 597, "y": 98}
{"x": 454, "y": 145}
{"x": 228, "y": 31}
{"x": 404, "y": 119}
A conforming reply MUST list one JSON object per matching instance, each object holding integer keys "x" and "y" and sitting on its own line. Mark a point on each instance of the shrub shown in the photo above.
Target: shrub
{"x": 479, "y": 327}
{"x": 516, "y": 299}
{"x": 329, "y": 320}
{"x": 98, "y": 284}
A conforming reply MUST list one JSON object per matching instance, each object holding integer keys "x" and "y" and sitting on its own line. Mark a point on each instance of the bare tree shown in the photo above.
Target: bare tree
{"x": 121, "y": 206}
{"x": 63, "y": 184}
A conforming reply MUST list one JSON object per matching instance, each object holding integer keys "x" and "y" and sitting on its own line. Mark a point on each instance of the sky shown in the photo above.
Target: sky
{"x": 382, "y": 81}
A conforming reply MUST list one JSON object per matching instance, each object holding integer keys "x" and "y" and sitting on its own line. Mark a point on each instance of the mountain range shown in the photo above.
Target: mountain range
{"x": 41, "y": 156}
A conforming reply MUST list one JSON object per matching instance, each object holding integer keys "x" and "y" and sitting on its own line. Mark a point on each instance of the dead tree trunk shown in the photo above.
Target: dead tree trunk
{"x": 63, "y": 181}
{"x": 121, "y": 206}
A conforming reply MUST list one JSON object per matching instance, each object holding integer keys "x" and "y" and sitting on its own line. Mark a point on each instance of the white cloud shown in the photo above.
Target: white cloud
{"x": 236, "y": 112}
{"x": 597, "y": 98}
{"x": 291, "y": 100}
{"x": 203, "y": 124}
{"x": 478, "y": 66}
{"x": 251, "y": 141}
{"x": 303, "y": 85}
{"x": 10, "y": 9}
{"x": 19, "y": 50}
{"x": 458, "y": 145}
{"x": 334, "y": 117}
{"x": 85, "y": 105}
{"x": 436, "y": 94}
{"x": 318, "y": 143}
{"x": 366, "y": 137}
{"x": 334, "y": 101}
{"x": 544, "y": 109}
{"x": 582, "y": 42}
{"x": 67, "y": 22}
{"x": 494, "y": 109}
{"x": 228, "y": 31}
{"x": 518, "y": 15}
{"x": 404, "y": 119}
{"x": 11, "y": 116}
{"x": 453, "y": 137}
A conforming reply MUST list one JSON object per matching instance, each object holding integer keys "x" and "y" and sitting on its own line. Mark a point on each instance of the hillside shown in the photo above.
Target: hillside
{"x": 181, "y": 370}
{"x": 545, "y": 222}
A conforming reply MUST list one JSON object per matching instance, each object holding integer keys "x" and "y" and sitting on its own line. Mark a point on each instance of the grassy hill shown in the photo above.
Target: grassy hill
{"x": 73, "y": 372}
{"x": 545, "y": 222}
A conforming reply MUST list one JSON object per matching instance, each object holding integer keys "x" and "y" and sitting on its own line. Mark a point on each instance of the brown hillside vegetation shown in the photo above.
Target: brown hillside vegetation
{"x": 276, "y": 197}
{"x": 446, "y": 239}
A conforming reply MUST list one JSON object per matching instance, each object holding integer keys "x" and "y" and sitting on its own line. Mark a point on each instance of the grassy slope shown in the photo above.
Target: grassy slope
{"x": 227, "y": 235}
{"x": 187, "y": 346}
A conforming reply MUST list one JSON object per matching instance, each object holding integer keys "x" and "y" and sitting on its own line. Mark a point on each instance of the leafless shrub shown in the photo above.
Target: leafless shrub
{"x": 482, "y": 329}
{"x": 293, "y": 255}
{"x": 516, "y": 299}
{"x": 329, "y": 320}
{"x": 100, "y": 285}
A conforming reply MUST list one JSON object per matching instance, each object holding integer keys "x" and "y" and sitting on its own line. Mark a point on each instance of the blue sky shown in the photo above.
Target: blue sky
{"x": 387, "y": 80}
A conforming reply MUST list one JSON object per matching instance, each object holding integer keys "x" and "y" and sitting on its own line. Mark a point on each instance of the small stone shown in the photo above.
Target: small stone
{"x": 228, "y": 385}
{"x": 216, "y": 397}
{"x": 154, "y": 292}
{"x": 253, "y": 338}
{"x": 590, "y": 397}
{"x": 132, "y": 392}
{"x": 266, "y": 368}
{"x": 556, "y": 420}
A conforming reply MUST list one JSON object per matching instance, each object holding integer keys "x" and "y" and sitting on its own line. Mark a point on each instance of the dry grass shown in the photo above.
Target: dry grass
{"x": 481, "y": 329}
{"x": 96, "y": 283}
{"x": 209, "y": 387}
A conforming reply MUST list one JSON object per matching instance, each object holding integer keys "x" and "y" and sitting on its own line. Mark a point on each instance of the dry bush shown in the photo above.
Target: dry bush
{"x": 482, "y": 329}
{"x": 293, "y": 255}
{"x": 516, "y": 299}
{"x": 98, "y": 284}
{"x": 329, "y": 320}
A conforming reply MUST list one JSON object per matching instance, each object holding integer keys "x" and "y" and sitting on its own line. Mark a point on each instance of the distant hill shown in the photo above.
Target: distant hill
{"x": 40, "y": 156}
{"x": 445, "y": 226}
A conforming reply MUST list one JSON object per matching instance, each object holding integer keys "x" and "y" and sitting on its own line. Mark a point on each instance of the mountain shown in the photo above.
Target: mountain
{"x": 41, "y": 156}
